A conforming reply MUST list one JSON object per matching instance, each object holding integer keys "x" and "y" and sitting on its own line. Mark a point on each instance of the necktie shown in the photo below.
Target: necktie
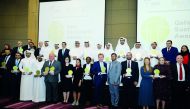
{"x": 180, "y": 72}
{"x": 50, "y": 63}
{"x": 128, "y": 65}
{"x": 110, "y": 66}
{"x": 6, "y": 58}
{"x": 168, "y": 49}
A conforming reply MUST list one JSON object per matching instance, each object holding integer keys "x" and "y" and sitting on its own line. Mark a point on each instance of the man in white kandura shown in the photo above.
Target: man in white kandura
{"x": 121, "y": 49}
{"x": 75, "y": 53}
{"x": 154, "y": 54}
{"x": 39, "y": 84}
{"x": 108, "y": 50}
{"x": 97, "y": 51}
{"x": 27, "y": 77}
{"x": 87, "y": 52}
{"x": 46, "y": 50}
{"x": 138, "y": 55}
{"x": 56, "y": 50}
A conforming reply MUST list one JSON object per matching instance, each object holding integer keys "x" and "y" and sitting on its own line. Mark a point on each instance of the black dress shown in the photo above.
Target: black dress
{"x": 162, "y": 86}
{"x": 78, "y": 75}
{"x": 66, "y": 83}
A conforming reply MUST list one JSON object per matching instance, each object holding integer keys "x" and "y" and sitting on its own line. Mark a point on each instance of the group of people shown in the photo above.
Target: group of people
{"x": 148, "y": 77}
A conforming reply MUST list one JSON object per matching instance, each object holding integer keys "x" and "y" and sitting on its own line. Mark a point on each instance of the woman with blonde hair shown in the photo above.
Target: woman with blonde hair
{"x": 146, "y": 86}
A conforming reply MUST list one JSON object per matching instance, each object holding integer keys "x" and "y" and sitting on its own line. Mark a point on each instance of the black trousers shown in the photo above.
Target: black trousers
{"x": 87, "y": 90}
{"x": 179, "y": 95}
{"x": 51, "y": 91}
{"x": 129, "y": 96}
{"x": 15, "y": 86}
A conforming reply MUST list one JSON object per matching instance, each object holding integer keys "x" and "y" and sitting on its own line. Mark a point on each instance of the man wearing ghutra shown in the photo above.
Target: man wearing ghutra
{"x": 138, "y": 54}
{"x": 121, "y": 49}
{"x": 27, "y": 77}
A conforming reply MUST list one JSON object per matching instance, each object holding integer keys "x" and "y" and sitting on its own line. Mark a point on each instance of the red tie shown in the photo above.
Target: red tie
{"x": 180, "y": 72}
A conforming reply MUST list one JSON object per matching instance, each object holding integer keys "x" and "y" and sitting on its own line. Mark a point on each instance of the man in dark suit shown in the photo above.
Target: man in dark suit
{"x": 64, "y": 52}
{"x": 15, "y": 77}
{"x": 99, "y": 70}
{"x": 18, "y": 49}
{"x": 51, "y": 78}
{"x": 29, "y": 46}
{"x": 130, "y": 75}
{"x": 37, "y": 51}
{"x": 180, "y": 84}
{"x": 170, "y": 52}
{"x": 6, "y": 72}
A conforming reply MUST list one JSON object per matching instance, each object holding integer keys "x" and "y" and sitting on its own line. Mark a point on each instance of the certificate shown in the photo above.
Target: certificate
{"x": 157, "y": 73}
{"x": 128, "y": 72}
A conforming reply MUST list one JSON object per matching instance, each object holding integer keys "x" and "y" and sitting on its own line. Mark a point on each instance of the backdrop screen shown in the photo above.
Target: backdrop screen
{"x": 72, "y": 20}
{"x": 161, "y": 20}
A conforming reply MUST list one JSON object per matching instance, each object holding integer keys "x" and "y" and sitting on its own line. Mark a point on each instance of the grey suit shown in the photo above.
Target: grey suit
{"x": 114, "y": 73}
{"x": 51, "y": 81}
{"x": 52, "y": 78}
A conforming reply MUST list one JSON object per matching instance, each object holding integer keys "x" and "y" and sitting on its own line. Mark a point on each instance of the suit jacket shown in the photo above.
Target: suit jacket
{"x": 114, "y": 73}
{"x": 13, "y": 63}
{"x": 37, "y": 52}
{"x": 9, "y": 63}
{"x": 49, "y": 77}
{"x": 175, "y": 75}
{"x": 171, "y": 55}
{"x": 175, "y": 72}
{"x": 134, "y": 73}
{"x": 61, "y": 57}
{"x": 95, "y": 70}
{"x": 25, "y": 47}
{"x": 15, "y": 50}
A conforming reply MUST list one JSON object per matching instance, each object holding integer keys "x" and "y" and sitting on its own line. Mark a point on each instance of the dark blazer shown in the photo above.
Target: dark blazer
{"x": 9, "y": 63}
{"x": 13, "y": 63}
{"x": 15, "y": 50}
{"x": 134, "y": 73}
{"x": 95, "y": 70}
{"x": 52, "y": 78}
{"x": 25, "y": 47}
{"x": 61, "y": 57}
{"x": 174, "y": 71}
{"x": 171, "y": 55}
{"x": 37, "y": 52}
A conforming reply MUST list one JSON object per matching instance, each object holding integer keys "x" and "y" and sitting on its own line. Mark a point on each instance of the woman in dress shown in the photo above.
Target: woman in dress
{"x": 146, "y": 87}
{"x": 77, "y": 81}
{"x": 66, "y": 79}
{"x": 161, "y": 84}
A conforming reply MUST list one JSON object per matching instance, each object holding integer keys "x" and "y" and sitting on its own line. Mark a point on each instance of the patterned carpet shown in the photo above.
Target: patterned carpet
{"x": 6, "y": 103}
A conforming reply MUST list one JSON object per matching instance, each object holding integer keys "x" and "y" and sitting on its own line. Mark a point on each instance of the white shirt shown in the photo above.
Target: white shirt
{"x": 88, "y": 66}
{"x": 183, "y": 72}
{"x": 101, "y": 63}
{"x": 51, "y": 62}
